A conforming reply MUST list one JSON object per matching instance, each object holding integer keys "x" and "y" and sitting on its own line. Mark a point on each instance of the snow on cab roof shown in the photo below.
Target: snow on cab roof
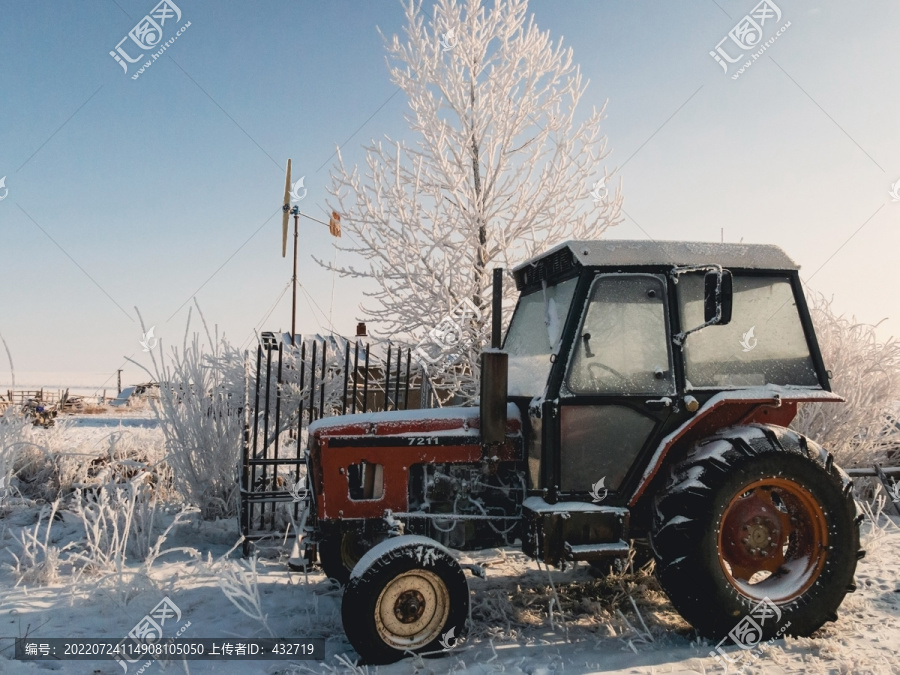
{"x": 633, "y": 252}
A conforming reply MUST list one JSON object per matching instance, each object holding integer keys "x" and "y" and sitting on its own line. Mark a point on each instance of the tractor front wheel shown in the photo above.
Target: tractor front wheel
{"x": 756, "y": 522}
{"x": 407, "y": 595}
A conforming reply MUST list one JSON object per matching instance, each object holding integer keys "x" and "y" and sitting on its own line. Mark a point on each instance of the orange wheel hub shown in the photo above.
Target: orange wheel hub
{"x": 773, "y": 539}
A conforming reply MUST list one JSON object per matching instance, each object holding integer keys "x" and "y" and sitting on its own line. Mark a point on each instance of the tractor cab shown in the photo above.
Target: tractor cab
{"x": 616, "y": 346}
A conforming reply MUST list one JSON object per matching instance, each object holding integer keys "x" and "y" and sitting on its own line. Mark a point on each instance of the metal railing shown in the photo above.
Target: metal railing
{"x": 889, "y": 477}
{"x": 292, "y": 384}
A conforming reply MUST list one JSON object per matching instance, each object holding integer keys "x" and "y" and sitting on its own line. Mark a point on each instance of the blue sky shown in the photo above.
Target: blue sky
{"x": 125, "y": 193}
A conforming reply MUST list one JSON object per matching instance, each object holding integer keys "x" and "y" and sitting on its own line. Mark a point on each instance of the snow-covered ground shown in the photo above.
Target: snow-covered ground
{"x": 524, "y": 619}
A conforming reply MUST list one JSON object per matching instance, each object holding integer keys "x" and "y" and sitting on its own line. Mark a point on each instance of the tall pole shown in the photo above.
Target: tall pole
{"x": 294, "y": 283}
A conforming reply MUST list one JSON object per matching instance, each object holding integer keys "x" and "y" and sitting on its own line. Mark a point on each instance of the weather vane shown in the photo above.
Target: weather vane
{"x": 291, "y": 193}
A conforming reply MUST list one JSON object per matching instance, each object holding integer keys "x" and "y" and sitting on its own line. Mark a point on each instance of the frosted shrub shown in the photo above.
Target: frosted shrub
{"x": 39, "y": 561}
{"x": 237, "y": 368}
{"x": 239, "y": 582}
{"x": 37, "y": 472}
{"x": 55, "y": 467}
{"x": 866, "y": 372}
{"x": 107, "y": 514}
{"x": 124, "y": 455}
{"x": 122, "y": 524}
{"x": 14, "y": 430}
{"x": 200, "y": 413}
{"x": 201, "y": 410}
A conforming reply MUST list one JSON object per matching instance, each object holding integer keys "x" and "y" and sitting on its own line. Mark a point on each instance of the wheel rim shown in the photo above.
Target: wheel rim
{"x": 773, "y": 540}
{"x": 412, "y": 609}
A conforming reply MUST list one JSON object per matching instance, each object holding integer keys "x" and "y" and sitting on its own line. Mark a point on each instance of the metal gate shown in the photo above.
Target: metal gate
{"x": 295, "y": 382}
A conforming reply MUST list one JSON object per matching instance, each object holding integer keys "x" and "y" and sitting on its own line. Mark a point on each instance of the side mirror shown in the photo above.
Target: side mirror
{"x": 717, "y": 297}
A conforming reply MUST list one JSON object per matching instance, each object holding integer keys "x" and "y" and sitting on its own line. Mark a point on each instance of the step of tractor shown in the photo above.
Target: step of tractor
{"x": 554, "y": 531}
{"x": 616, "y": 549}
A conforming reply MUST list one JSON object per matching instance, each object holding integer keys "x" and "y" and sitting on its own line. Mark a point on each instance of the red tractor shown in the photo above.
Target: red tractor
{"x": 642, "y": 395}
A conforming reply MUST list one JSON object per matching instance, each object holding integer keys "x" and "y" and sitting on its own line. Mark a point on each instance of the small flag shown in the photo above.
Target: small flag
{"x": 334, "y": 224}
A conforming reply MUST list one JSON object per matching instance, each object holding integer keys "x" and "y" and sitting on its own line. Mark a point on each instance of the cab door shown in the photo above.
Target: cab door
{"x": 619, "y": 384}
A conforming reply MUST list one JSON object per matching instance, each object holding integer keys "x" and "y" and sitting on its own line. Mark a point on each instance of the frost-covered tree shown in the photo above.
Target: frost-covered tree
{"x": 500, "y": 169}
{"x": 866, "y": 372}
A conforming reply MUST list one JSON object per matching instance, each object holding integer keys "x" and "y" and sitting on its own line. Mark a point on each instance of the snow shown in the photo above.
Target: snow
{"x": 422, "y": 544}
{"x": 464, "y": 415}
{"x": 593, "y": 548}
{"x": 528, "y": 374}
{"x": 612, "y": 252}
{"x": 676, "y": 520}
{"x": 712, "y": 450}
{"x": 511, "y": 631}
{"x": 554, "y": 326}
{"x": 593, "y": 626}
{"x": 538, "y": 505}
{"x": 123, "y": 396}
{"x": 690, "y": 480}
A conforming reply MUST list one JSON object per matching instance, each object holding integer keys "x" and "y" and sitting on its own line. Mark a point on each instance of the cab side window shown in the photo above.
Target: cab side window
{"x": 763, "y": 344}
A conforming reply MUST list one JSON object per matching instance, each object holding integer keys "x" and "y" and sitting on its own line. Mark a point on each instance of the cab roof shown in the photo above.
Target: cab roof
{"x": 630, "y": 253}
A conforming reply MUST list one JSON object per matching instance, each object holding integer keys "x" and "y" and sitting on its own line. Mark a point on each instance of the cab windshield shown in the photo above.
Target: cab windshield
{"x": 534, "y": 334}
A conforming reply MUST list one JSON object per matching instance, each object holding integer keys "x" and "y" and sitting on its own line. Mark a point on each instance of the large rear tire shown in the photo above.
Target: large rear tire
{"x": 407, "y": 595}
{"x": 756, "y": 514}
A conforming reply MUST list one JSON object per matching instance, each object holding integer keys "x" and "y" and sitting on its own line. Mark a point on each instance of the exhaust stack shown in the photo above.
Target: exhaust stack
{"x": 494, "y": 373}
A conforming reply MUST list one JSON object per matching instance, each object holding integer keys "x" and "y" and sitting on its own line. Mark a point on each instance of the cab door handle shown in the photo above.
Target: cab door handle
{"x": 659, "y": 403}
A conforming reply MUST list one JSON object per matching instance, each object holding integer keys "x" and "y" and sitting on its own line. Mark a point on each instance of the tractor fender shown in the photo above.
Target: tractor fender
{"x": 770, "y": 404}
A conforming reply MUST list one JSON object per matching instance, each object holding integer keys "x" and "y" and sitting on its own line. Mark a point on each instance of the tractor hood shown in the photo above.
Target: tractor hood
{"x": 429, "y": 421}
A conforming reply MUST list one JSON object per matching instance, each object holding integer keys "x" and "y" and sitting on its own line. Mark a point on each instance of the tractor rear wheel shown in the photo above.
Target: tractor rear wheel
{"x": 756, "y": 521}
{"x": 407, "y": 595}
{"x": 339, "y": 553}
